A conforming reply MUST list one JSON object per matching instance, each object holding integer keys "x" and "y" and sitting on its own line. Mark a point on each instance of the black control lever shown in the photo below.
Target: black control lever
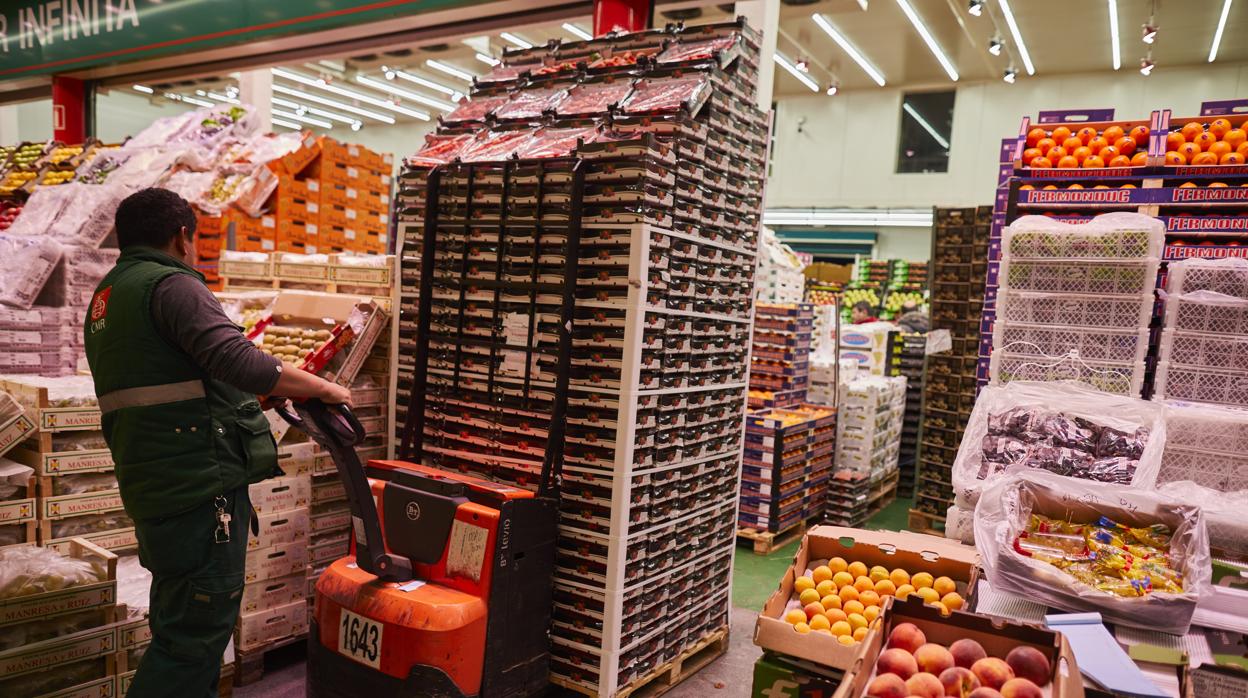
{"x": 336, "y": 429}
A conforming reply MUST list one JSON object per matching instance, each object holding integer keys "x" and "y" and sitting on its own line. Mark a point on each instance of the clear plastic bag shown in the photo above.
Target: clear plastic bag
{"x": 1005, "y": 511}
{"x": 1224, "y": 515}
{"x": 26, "y": 570}
{"x": 556, "y": 142}
{"x": 439, "y": 149}
{"x": 531, "y": 103}
{"x": 1064, "y": 427}
{"x": 28, "y": 262}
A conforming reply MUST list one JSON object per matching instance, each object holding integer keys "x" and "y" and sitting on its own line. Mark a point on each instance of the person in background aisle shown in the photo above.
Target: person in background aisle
{"x": 912, "y": 318}
{"x": 862, "y": 312}
{"x": 177, "y": 385}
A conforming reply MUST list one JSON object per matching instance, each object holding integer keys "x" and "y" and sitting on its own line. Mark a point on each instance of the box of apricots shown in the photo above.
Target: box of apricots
{"x": 832, "y": 597}
{"x": 917, "y": 651}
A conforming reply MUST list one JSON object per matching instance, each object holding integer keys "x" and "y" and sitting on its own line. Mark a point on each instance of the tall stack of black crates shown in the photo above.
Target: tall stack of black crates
{"x": 594, "y": 209}
{"x": 959, "y": 268}
{"x": 906, "y": 353}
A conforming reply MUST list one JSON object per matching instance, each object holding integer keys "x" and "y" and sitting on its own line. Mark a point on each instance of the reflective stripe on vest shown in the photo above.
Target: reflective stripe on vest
{"x": 147, "y": 395}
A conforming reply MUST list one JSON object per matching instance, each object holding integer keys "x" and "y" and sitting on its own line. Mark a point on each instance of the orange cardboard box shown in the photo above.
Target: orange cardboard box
{"x": 209, "y": 225}
{"x": 375, "y": 200}
{"x": 299, "y": 189}
{"x": 294, "y": 163}
{"x": 336, "y": 195}
{"x": 298, "y": 246}
{"x": 334, "y": 214}
{"x": 254, "y": 243}
{"x": 297, "y": 209}
{"x": 333, "y": 172}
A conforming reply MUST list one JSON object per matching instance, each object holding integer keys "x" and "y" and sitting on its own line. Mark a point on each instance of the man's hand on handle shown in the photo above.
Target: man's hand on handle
{"x": 297, "y": 383}
{"x": 336, "y": 395}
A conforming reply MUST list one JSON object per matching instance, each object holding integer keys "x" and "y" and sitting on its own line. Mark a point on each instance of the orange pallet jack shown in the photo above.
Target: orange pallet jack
{"x": 448, "y": 594}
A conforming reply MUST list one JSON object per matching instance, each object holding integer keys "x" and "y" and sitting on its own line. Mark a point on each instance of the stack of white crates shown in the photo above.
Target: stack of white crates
{"x": 780, "y": 278}
{"x": 871, "y": 410}
{"x": 1075, "y": 301}
{"x": 1204, "y": 346}
{"x": 867, "y": 345}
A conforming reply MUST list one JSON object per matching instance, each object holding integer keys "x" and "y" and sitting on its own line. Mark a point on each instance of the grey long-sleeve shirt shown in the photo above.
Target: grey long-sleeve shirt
{"x": 188, "y": 316}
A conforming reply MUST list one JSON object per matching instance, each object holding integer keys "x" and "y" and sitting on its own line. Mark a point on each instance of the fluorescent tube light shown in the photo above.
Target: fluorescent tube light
{"x": 282, "y": 89}
{"x": 1115, "y": 46}
{"x": 332, "y": 116}
{"x": 488, "y": 60}
{"x": 1217, "y": 35}
{"x": 287, "y": 124}
{"x": 143, "y": 88}
{"x": 849, "y": 48}
{"x": 416, "y": 79}
{"x": 405, "y": 94}
{"x": 802, "y": 77}
{"x": 349, "y": 94}
{"x": 929, "y": 39}
{"x": 512, "y": 38}
{"x": 944, "y": 142}
{"x": 302, "y": 118}
{"x": 576, "y": 31}
{"x": 1018, "y": 38}
{"x": 450, "y": 70}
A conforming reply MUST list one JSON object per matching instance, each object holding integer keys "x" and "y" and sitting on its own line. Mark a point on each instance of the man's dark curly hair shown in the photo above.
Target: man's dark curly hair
{"x": 151, "y": 217}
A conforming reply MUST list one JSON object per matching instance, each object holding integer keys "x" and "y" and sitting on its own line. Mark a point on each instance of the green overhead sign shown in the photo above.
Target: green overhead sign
{"x": 56, "y": 36}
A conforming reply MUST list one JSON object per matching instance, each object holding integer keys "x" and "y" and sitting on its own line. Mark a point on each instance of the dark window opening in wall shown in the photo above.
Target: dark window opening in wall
{"x": 926, "y": 128}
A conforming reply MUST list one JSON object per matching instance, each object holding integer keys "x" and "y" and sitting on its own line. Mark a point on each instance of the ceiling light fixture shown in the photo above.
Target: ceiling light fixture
{"x": 515, "y": 40}
{"x": 143, "y": 88}
{"x": 282, "y": 89}
{"x": 929, "y": 39}
{"x": 333, "y": 116}
{"x": 488, "y": 60}
{"x": 349, "y": 94}
{"x": 577, "y": 31}
{"x": 1011, "y": 74}
{"x": 1018, "y": 37}
{"x": 287, "y": 124}
{"x": 917, "y": 218}
{"x": 302, "y": 118}
{"x": 833, "y": 88}
{"x": 1114, "y": 46}
{"x": 426, "y": 83}
{"x": 405, "y": 94}
{"x": 803, "y": 78}
{"x": 222, "y": 98}
{"x": 996, "y": 45}
{"x": 931, "y": 130}
{"x": 976, "y": 8}
{"x": 1217, "y": 35}
{"x": 192, "y": 100}
{"x": 863, "y": 5}
{"x": 1148, "y": 33}
{"x": 847, "y": 47}
{"x": 450, "y": 70}
{"x": 1147, "y": 65}
{"x": 803, "y": 65}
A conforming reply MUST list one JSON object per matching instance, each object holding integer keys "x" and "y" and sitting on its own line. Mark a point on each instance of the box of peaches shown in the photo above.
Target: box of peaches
{"x": 832, "y": 597}
{"x": 920, "y": 652}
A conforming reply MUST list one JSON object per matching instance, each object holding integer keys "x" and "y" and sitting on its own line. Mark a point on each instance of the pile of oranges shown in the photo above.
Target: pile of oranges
{"x": 1219, "y": 143}
{"x": 1086, "y": 147}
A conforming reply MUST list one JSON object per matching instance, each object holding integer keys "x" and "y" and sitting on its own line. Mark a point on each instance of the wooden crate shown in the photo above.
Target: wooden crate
{"x": 97, "y": 646}
{"x": 767, "y": 542}
{"x": 71, "y": 599}
{"x": 668, "y": 675}
{"x": 46, "y": 417}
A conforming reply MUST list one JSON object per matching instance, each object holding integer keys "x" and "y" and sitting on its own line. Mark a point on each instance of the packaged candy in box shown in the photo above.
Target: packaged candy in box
{"x": 591, "y": 98}
{"x": 557, "y": 142}
{"x": 439, "y": 149}
{"x": 1137, "y": 557}
{"x": 531, "y": 103}
{"x": 1064, "y": 428}
{"x": 669, "y": 94}
{"x": 476, "y": 108}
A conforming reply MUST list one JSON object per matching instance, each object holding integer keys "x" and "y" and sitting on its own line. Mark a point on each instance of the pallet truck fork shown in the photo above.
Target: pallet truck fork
{"x": 448, "y": 594}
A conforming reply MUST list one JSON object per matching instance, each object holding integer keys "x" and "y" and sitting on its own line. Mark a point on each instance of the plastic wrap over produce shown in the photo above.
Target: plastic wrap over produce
{"x": 1137, "y": 557}
{"x": 1108, "y": 236}
{"x": 1063, "y": 427}
{"x": 29, "y": 570}
{"x": 28, "y": 262}
{"x": 1224, "y": 515}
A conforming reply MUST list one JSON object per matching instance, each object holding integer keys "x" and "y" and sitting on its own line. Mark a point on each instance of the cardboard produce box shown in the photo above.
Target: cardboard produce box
{"x": 339, "y": 360}
{"x": 255, "y": 629}
{"x": 69, "y": 600}
{"x": 913, "y": 552}
{"x": 279, "y": 528}
{"x": 997, "y": 637}
{"x": 777, "y": 677}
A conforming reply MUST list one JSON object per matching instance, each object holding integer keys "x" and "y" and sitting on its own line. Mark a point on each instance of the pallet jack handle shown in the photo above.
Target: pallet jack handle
{"x": 336, "y": 429}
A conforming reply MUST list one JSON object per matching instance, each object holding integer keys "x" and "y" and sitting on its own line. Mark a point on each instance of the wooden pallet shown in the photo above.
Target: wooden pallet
{"x": 249, "y": 664}
{"x": 767, "y": 542}
{"x": 669, "y": 675}
{"x": 926, "y": 522}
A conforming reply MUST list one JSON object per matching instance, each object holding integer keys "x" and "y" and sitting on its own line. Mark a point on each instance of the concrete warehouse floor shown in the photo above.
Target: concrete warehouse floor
{"x": 753, "y": 579}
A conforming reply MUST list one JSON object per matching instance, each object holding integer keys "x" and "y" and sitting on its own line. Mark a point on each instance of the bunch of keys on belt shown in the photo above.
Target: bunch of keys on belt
{"x": 222, "y": 534}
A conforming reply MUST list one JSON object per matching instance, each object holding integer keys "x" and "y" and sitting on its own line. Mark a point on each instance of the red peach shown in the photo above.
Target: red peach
{"x": 992, "y": 672}
{"x": 1020, "y": 688}
{"x": 925, "y": 685}
{"x": 985, "y": 692}
{"x": 933, "y": 658}
{"x": 898, "y": 661}
{"x": 1029, "y": 663}
{"x": 887, "y": 686}
{"x": 958, "y": 681}
{"x": 966, "y": 652}
{"x": 907, "y": 636}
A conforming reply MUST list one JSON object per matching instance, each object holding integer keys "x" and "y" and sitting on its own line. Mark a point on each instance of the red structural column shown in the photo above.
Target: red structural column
{"x": 68, "y": 110}
{"x": 622, "y": 15}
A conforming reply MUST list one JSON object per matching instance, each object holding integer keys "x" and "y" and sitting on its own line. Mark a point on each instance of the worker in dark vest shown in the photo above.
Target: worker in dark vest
{"x": 177, "y": 383}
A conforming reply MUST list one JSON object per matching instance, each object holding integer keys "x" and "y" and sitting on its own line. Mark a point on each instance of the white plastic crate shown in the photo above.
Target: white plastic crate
{"x": 1199, "y": 349}
{"x": 1071, "y": 309}
{"x": 1118, "y": 278}
{"x": 1109, "y": 236}
{"x": 1207, "y": 311}
{"x": 1116, "y": 378}
{"x": 1092, "y": 343}
{"x": 1206, "y": 427}
{"x": 1218, "y": 471}
{"x": 1201, "y": 384}
{"x": 1228, "y": 276}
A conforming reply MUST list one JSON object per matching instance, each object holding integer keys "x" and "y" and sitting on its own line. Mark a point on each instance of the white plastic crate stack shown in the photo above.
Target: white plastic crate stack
{"x": 823, "y": 338}
{"x": 1204, "y": 346}
{"x": 1075, "y": 301}
{"x": 824, "y": 376}
{"x": 867, "y": 447}
{"x": 779, "y": 278}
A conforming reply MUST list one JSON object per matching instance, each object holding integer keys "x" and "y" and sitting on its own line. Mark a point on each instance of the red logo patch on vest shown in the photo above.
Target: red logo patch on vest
{"x": 99, "y": 303}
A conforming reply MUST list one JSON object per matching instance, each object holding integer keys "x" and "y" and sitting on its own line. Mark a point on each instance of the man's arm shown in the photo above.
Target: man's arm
{"x": 188, "y": 316}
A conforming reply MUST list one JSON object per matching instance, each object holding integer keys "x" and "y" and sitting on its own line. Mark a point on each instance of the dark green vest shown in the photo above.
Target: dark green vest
{"x": 178, "y": 437}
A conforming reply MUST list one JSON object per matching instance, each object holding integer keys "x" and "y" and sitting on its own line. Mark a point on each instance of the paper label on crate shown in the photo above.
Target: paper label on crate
{"x": 348, "y": 233}
{"x": 277, "y": 425}
{"x": 42, "y": 657}
{"x": 466, "y": 551}
{"x": 313, "y": 185}
{"x": 938, "y": 341}
{"x": 17, "y": 511}
{"x": 385, "y": 180}
{"x": 1215, "y": 683}
{"x": 313, "y": 207}
{"x": 384, "y": 218}
{"x": 350, "y": 213}
{"x": 76, "y": 462}
{"x": 268, "y": 222}
{"x": 267, "y": 244}
{"x": 351, "y": 193}
{"x": 353, "y": 150}
{"x": 312, "y": 229}
{"x": 352, "y": 172}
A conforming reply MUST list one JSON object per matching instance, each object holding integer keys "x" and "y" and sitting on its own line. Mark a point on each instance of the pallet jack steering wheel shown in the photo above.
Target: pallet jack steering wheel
{"x": 336, "y": 429}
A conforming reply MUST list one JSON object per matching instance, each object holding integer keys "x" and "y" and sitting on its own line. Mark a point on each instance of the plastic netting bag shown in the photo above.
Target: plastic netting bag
{"x": 1063, "y": 427}
{"x": 28, "y": 570}
{"x": 28, "y": 262}
{"x": 1090, "y": 546}
{"x": 189, "y": 184}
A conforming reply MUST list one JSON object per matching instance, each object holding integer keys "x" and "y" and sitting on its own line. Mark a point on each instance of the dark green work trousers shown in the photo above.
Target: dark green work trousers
{"x": 197, "y": 586}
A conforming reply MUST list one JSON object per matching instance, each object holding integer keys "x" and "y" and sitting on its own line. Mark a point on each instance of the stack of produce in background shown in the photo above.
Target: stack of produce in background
{"x": 1075, "y": 301}
{"x": 780, "y": 359}
{"x": 859, "y": 292}
{"x": 906, "y": 357}
{"x": 1203, "y": 355}
{"x": 959, "y": 264}
{"x": 868, "y": 430}
{"x": 780, "y": 278}
{"x": 788, "y": 461}
{"x": 907, "y": 284}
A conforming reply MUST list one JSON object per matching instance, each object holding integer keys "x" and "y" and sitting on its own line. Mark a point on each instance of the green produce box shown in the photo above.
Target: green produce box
{"x": 777, "y": 677}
